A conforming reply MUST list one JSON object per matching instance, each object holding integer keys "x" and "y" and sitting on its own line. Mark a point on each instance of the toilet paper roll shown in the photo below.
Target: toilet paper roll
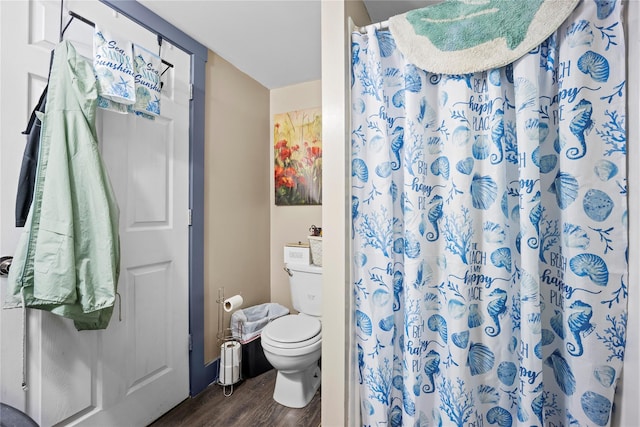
{"x": 232, "y": 303}
{"x": 230, "y": 353}
{"x": 229, "y": 375}
{"x": 230, "y": 358}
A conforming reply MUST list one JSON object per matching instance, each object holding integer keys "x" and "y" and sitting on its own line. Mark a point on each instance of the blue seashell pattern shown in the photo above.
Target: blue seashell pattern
{"x": 597, "y": 205}
{"x": 489, "y": 227}
{"x": 579, "y": 33}
{"x": 461, "y": 136}
{"x": 381, "y": 297}
{"x": 595, "y": 65}
{"x": 591, "y": 266}
{"x": 431, "y": 302}
{"x": 574, "y": 236}
{"x": 596, "y": 407}
{"x": 386, "y": 43}
{"x": 412, "y": 79}
{"x": 507, "y": 373}
{"x": 565, "y": 187}
{"x": 605, "y": 8}
{"x": 460, "y": 339}
{"x": 499, "y": 416}
{"x": 363, "y": 322}
{"x": 476, "y": 318}
{"x": 481, "y": 359}
{"x": 360, "y": 170}
{"x": 439, "y": 324}
{"x": 440, "y": 166}
{"x": 383, "y": 170}
{"x": 457, "y": 309}
{"x": 548, "y": 163}
{"x": 493, "y": 232}
{"x": 501, "y": 258}
{"x": 483, "y": 191}
{"x": 488, "y": 394}
{"x": 562, "y": 372}
{"x": 605, "y": 374}
{"x": 605, "y": 169}
{"x": 387, "y": 323}
{"x": 481, "y": 148}
{"x": 465, "y": 166}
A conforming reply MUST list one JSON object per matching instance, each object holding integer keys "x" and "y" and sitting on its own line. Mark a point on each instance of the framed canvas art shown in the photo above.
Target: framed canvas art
{"x": 297, "y": 168}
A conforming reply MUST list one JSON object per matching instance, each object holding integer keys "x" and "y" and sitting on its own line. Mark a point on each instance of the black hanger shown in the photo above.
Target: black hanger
{"x": 86, "y": 21}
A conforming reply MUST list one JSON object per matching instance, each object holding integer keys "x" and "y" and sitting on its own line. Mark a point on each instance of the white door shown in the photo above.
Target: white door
{"x": 136, "y": 369}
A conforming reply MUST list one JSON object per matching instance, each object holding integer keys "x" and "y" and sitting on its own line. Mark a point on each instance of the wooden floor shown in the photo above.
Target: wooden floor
{"x": 250, "y": 404}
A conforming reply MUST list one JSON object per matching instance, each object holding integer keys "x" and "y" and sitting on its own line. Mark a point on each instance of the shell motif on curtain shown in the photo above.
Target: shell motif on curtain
{"x": 489, "y": 232}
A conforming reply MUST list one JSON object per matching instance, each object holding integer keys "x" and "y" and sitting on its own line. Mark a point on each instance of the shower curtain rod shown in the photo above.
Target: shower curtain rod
{"x": 383, "y": 25}
{"x": 86, "y": 21}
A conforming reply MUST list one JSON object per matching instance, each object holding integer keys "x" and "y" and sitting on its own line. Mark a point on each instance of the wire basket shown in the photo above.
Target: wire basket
{"x": 315, "y": 244}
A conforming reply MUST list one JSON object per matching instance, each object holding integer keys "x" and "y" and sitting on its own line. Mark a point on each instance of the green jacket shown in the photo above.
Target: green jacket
{"x": 68, "y": 257}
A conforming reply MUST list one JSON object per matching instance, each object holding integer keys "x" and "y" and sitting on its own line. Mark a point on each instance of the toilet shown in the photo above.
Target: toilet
{"x": 293, "y": 343}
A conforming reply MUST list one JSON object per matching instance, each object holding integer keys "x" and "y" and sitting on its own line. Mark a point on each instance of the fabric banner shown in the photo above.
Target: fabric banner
{"x": 147, "y": 67}
{"x": 113, "y": 67}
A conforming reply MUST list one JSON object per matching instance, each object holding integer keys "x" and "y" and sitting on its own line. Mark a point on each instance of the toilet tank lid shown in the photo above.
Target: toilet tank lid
{"x": 292, "y": 328}
{"x": 307, "y": 268}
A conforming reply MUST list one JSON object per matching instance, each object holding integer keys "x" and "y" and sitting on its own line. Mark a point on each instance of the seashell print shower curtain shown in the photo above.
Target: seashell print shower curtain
{"x": 489, "y": 232}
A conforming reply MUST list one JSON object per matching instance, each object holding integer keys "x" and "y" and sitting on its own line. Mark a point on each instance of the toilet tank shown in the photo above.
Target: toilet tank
{"x": 305, "y": 281}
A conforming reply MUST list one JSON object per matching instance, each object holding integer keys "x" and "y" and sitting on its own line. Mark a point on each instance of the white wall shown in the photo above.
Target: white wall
{"x": 338, "y": 384}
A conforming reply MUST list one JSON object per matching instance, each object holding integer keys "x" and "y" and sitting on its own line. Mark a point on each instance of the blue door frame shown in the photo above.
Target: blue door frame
{"x": 200, "y": 374}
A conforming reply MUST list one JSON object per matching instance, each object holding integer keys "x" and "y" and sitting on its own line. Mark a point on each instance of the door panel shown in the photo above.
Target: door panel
{"x": 136, "y": 369}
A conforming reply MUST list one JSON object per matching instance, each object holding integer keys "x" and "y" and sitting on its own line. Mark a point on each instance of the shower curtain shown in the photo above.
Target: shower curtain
{"x": 489, "y": 232}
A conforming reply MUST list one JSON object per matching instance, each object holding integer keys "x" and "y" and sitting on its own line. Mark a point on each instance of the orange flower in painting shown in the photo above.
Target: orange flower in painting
{"x": 314, "y": 152}
{"x": 284, "y": 154}
{"x": 281, "y": 144}
{"x": 288, "y": 182}
{"x": 285, "y": 177}
{"x": 278, "y": 171}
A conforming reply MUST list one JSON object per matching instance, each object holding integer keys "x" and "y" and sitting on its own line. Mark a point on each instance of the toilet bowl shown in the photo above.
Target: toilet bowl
{"x": 293, "y": 344}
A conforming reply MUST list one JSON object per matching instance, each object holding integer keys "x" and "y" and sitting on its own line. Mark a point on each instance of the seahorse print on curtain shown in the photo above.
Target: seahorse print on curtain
{"x": 489, "y": 232}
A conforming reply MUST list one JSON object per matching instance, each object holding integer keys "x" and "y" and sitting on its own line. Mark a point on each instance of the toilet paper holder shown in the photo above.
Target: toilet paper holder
{"x": 226, "y": 305}
{"x": 230, "y": 366}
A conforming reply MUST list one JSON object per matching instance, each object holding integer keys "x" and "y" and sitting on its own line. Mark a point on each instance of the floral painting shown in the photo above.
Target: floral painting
{"x": 297, "y": 137}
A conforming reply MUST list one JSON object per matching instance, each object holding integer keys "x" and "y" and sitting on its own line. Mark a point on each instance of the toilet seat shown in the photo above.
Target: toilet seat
{"x": 292, "y": 331}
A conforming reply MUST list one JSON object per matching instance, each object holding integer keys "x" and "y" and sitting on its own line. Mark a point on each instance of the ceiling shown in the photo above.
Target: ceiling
{"x": 276, "y": 42}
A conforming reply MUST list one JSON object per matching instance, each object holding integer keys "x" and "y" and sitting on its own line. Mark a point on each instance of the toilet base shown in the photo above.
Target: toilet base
{"x": 296, "y": 389}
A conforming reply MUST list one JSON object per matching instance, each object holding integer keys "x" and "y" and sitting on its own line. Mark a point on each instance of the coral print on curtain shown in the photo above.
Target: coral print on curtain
{"x": 489, "y": 226}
